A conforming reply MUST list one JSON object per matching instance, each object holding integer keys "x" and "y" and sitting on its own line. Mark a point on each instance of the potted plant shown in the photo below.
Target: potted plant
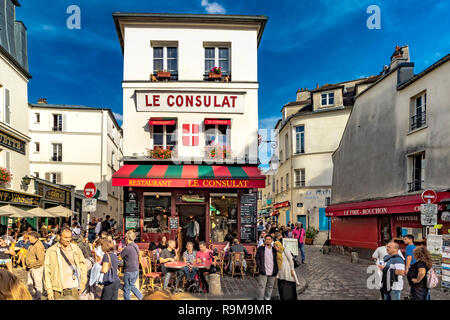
{"x": 5, "y": 176}
{"x": 163, "y": 74}
{"x": 159, "y": 153}
{"x": 215, "y": 73}
{"x": 311, "y": 234}
{"x": 217, "y": 152}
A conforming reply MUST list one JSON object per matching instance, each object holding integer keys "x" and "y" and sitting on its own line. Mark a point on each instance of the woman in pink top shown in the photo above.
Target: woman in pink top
{"x": 204, "y": 256}
{"x": 299, "y": 233}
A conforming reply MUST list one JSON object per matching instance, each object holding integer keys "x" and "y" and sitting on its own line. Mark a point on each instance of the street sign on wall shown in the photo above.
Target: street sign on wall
{"x": 89, "y": 205}
{"x": 428, "y": 219}
{"x": 429, "y": 208}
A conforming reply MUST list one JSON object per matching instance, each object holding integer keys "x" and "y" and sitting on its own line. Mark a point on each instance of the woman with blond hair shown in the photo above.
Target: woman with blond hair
{"x": 417, "y": 273}
{"x": 287, "y": 278}
{"x": 11, "y": 288}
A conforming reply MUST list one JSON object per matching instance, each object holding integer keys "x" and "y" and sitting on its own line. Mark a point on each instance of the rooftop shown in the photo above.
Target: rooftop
{"x": 224, "y": 19}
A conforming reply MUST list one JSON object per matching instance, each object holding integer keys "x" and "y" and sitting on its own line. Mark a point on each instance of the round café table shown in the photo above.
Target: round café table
{"x": 181, "y": 265}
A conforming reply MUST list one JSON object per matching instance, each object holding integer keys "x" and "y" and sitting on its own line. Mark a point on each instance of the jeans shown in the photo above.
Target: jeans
{"x": 302, "y": 251}
{"x": 393, "y": 295}
{"x": 265, "y": 284}
{"x": 91, "y": 237}
{"x": 129, "y": 280}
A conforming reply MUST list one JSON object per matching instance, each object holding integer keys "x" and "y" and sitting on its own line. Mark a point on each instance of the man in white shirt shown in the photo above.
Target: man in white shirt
{"x": 393, "y": 269}
{"x": 98, "y": 227}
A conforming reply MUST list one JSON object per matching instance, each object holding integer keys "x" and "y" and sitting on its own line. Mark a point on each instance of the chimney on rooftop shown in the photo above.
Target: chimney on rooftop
{"x": 400, "y": 55}
{"x": 303, "y": 94}
{"x": 42, "y": 101}
{"x": 400, "y": 59}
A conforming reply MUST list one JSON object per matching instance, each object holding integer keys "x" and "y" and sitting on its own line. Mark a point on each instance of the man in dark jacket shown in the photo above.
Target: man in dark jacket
{"x": 106, "y": 226}
{"x": 266, "y": 260}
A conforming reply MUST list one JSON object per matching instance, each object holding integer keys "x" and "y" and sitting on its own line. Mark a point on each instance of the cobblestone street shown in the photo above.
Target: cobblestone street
{"x": 334, "y": 277}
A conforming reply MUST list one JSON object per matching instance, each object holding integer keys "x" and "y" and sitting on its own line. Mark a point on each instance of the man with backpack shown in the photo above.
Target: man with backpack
{"x": 393, "y": 268}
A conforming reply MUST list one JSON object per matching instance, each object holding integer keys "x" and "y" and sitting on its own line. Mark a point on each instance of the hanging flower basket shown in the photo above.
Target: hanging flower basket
{"x": 159, "y": 153}
{"x": 5, "y": 176}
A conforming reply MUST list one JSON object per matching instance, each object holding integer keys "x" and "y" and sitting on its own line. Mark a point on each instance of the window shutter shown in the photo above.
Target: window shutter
{"x": 47, "y": 176}
{"x": 7, "y": 107}
{"x": 64, "y": 122}
{"x": 8, "y": 160}
{"x": 58, "y": 177}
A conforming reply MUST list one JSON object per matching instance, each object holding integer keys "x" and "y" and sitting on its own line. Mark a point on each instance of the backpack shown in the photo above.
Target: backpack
{"x": 432, "y": 279}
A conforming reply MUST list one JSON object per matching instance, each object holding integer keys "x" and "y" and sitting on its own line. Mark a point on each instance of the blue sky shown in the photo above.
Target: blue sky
{"x": 305, "y": 42}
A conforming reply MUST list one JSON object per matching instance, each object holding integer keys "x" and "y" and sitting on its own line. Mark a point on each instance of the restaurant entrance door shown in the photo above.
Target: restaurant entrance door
{"x": 190, "y": 215}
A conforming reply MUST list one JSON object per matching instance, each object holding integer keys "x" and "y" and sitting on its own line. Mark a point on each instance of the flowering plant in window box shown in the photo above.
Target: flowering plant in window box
{"x": 215, "y": 73}
{"x": 159, "y": 153}
{"x": 163, "y": 74}
{"x": 217, "y": 152}
{"x": 5, "y": 176}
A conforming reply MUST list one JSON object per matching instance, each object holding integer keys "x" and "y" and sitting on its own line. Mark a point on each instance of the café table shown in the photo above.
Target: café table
{"x": 181, "y": 265}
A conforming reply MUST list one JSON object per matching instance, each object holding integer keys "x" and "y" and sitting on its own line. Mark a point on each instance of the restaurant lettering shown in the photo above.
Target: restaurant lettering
{"x": 193, "y": 183}
{"x": 189, "y": 102}
{"x": 218, "y": 183}
{"x": 365, "y": 211}
{"x": 12, "y": 143}
{"x": 18, "y": 198}
{"x": 149, "y": 183}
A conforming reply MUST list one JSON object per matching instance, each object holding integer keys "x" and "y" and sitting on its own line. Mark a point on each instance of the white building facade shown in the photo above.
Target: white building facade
{"x": 172, "y": 101}
{"x": 73, "y": 145}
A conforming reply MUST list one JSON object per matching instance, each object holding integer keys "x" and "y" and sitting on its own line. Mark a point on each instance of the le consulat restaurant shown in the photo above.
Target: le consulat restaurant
{"x": 190, "y": 125}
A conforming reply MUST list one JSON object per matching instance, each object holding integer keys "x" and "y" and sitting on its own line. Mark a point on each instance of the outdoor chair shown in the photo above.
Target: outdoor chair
{"x": 147, "y": 273}
{"x": 236, "y": 261}
{"x": 250, "y": 259}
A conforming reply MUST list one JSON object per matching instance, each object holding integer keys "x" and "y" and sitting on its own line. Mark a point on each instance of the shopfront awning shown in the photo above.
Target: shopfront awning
{"x": 162, "y": 121}
{"x": 394, "y": 205}
{"x": 188, "y": 176}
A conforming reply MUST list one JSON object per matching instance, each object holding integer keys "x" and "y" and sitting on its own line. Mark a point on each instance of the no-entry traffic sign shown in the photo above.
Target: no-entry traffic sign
{"x": 90, "y": 189}
{"x": 429, "y": 196}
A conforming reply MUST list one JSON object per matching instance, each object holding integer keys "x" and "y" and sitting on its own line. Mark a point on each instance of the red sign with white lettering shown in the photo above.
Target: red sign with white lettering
{"x": 90, "y": 189}
{"x": 281, "y": 204}
{"x": 429, "y": 196}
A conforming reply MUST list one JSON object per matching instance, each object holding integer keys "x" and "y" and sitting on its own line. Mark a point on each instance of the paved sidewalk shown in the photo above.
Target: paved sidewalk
{"x": 334, "y": 277}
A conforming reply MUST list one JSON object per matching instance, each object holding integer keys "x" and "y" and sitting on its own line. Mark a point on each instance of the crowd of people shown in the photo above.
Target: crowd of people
{"x": 393, "y": 266}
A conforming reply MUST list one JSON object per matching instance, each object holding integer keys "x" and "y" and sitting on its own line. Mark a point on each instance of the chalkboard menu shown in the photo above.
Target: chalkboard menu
{"x": 173, "y": 223}
{"x": 248, "y": 217}
{"x": 131, "y": 209}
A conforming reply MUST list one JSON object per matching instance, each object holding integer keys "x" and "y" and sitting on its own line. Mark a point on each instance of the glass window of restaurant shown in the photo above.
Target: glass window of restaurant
{"x": 223, "y": 216}
{"x": 156, "y": 213}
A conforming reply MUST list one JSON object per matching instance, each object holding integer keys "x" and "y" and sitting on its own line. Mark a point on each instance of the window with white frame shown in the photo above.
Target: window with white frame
{"x": 417, "y": 172}
{"x": 37, "y": 147}
{"x": 300, "y": 139}
{"x": 57, "y": 122}
{"x": 217, "y": 57}
{"x": 112, "y": 159}
{"x": 164, "y": 136}
{"x": 327, "y": 99}
{"x": 281, "y": 184}
{"x": 217, "y": 134}
{"x": 299, "y": 177}
{"x": 165, "y": 59}
{"x": 54, "y": 177}
{"x": 419, "y": 111}
{"x": 56, "y": 152}
{"x": 36, "y": 174}
{"x": 37, "y": 118}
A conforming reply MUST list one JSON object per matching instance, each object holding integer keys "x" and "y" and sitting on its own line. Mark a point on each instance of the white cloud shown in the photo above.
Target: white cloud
{"x": 118, "y": 116}
{"x": 213, "y": 7}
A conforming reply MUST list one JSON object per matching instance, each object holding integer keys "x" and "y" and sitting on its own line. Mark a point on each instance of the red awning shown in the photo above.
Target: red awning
{"x": 404, "y": 204}
{"x": 218, "y": 121}
{"x": 188, "y": 176}
{"x": 161, "y": 121}
{"x": 281, "y": 204}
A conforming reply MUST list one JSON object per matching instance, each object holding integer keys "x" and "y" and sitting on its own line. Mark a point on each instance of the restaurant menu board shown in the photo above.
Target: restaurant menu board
{"x": 131, "y": 208}
{"x": 173, "y": 223}
{"x": 248, "y": 217}
{"x": 131, "y": 223}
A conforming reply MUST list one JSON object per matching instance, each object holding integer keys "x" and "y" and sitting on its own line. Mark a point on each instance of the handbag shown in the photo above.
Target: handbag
{"x": 109, "y": 276}
{"x": 296, "y": 264}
